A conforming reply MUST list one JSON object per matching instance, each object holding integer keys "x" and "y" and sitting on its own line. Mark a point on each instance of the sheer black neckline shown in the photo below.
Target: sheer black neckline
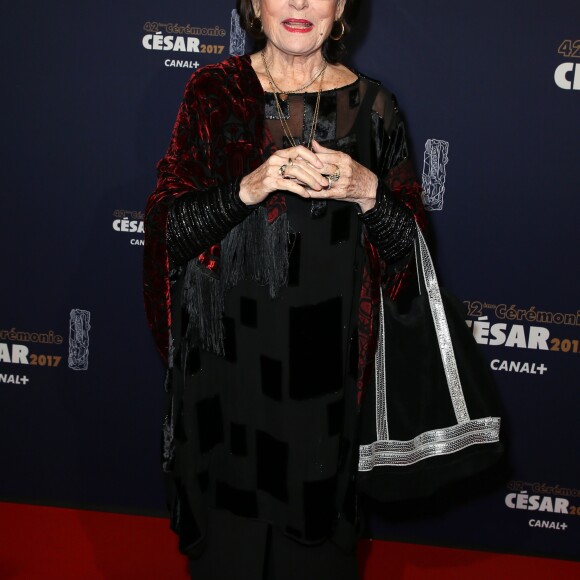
{"x": 352, "y": 85}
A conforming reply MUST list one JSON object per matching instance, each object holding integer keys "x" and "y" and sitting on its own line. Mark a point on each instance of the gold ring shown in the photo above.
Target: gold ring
{"x": 282, "y": 170}
{"x": 334, "y": 176}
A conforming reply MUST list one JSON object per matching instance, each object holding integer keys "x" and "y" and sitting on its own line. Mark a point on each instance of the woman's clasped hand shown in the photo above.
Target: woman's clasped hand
{"x": 319, "y": 174}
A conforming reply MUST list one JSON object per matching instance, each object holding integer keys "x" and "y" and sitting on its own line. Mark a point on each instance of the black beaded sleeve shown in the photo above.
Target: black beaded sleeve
{"x": 390, "y": 225}
{"x": 199, "y": 219}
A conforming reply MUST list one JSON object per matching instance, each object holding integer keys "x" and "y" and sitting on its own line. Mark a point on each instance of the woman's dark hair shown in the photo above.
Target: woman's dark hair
{"x": 332, "y": 50}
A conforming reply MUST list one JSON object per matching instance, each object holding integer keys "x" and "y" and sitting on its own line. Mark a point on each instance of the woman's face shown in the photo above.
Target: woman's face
{"x": 298, "y": 27}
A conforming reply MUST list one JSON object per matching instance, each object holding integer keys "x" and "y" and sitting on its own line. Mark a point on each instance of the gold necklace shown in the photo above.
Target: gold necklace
{"x": 283, "y": 122}
{"x": 299, "y": 89}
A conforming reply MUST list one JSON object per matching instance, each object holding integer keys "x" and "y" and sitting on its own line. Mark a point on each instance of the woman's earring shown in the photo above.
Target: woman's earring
{"x": 340, "y": 21}
{"x": 253, "y": 25}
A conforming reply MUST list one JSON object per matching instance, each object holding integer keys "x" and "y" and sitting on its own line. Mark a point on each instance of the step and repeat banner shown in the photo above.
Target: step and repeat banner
{"x": 491, "y": 94}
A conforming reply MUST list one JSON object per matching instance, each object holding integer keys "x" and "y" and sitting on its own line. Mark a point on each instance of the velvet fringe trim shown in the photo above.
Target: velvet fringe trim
{"x": 253, "y": 250}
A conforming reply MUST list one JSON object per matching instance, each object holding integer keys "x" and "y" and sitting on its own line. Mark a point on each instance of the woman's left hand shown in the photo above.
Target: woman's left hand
{"x": 356, "y": 183}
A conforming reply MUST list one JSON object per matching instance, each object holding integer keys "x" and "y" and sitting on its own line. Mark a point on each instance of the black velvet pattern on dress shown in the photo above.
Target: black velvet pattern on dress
{"x": 179, "y": 432}
{"x": 193, "y": 362}
{"x": 326, "y": 125}
{"x": 239, "y": 501}
{"x": 354, "y": 98}
{"x": 272, "y": 465}
{"x": 318, "y": 208}
{"x": 293, "y": 532}
{"x": 230, "y": 350}
{"x": 271, "y": 110}
{"x": 238, "y": 440}
{"x": 334, "y": 414}
{"x": 203, "y": 480}
{"x": 315, "y": 339}
{"x": 248, "y": 312}
{"x": 295, "y": 243}
{"x": 340, "y": 225}
{"x": 271, "y": 375}
{"x": 182, "y": 519}
{"x": 209, "y": 419}
{"x": 319, "y": 500}
{"x": 345, "y": 448}
{"x": 349, "y": 146}
{"x": 308, "y": 114}
{"x": 353, "y": 355}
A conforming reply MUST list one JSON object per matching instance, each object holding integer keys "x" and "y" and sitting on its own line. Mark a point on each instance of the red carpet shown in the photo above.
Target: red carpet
{"x": 65, "y": 544}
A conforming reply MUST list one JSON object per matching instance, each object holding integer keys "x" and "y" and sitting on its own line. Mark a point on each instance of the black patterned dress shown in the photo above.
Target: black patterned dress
{"x": 266, "y": 422}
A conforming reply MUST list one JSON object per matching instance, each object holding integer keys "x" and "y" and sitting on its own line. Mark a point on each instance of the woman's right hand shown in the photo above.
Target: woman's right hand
{"x": 301, "y": 173}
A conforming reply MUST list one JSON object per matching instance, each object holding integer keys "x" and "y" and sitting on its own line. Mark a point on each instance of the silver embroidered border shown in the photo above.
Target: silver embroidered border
{"x": 442, "y": 330}
{"x": 429, "y": 444}
{"x": 380, "y": 379}
{"x": 467, "y": 432}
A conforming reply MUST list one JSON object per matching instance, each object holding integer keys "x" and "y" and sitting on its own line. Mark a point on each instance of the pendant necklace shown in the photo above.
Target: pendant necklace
{"x": 283, "y": 94}
{"x": 279, "y": 93}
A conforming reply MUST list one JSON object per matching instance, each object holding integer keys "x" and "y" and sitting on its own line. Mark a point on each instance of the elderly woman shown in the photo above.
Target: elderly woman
{"x": 286, "y": 197}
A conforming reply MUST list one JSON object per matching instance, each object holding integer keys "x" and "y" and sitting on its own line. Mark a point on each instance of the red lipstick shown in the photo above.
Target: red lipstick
{"x": 297, "y": 25}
